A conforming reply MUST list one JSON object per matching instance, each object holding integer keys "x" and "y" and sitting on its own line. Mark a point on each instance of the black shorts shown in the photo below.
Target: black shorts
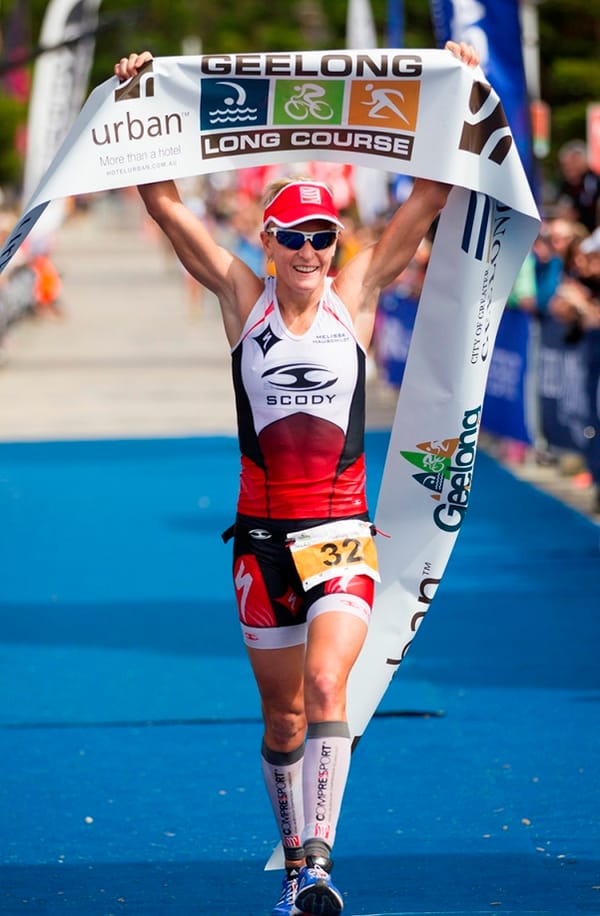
{"x": 272, "y": 604}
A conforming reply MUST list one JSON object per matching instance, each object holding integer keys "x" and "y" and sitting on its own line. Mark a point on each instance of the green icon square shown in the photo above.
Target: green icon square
{"x": 308, "y": 101}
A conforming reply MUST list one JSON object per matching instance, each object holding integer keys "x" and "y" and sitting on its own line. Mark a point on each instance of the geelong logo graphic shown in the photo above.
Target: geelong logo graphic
{"x": 293, "y": 377}
{"x": 140, "y": 86}
{"x": 445, "y": 470}
{"x": 477, "y": 135}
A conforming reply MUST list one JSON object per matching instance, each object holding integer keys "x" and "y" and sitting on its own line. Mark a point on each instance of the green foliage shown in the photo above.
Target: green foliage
{"x": 576, "y": 83}
{"x": 570, "y": 68}
{"x": 575, "y": 79}
{"x": 241, "y": 25}
{"x": 568, "y": 123}
{"x": 569, "y": 41}
{"x": 12, "y": 116}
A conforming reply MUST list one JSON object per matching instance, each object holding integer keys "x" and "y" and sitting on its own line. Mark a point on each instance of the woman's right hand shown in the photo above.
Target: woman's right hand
{"x": 129, "y": 66}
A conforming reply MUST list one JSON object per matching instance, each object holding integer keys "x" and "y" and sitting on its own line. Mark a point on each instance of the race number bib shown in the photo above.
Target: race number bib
{"x": 334, "y": 549}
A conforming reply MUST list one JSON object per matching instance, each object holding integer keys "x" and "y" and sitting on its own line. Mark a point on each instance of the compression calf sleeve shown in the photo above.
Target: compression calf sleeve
{"x": 283, "y": 778}
{"x": 326, "y": 767}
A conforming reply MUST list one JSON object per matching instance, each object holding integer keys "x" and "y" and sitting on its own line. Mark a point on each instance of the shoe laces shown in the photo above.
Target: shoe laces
{"x": 288, "y": 889}
{"x": 318, "y": 871}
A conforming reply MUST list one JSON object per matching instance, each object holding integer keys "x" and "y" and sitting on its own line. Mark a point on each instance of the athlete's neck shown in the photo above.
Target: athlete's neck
{"x": 298, "y": 313}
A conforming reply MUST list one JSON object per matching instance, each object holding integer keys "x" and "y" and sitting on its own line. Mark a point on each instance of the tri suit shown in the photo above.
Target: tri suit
{"x": 300, "y": 403}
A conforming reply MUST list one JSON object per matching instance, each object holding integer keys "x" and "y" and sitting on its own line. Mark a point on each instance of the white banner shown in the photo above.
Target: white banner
{"x": 422, "y": 113}
{"x": 428, "y": 473}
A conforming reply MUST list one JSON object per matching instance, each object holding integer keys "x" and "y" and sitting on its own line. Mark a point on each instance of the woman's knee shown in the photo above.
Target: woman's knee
{"x": 284, "y": 729}
{"x": 325, "y": 690}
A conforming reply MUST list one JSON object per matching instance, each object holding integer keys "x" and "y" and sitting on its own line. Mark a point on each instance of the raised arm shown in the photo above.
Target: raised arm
{"x": 233, "y": 282}
{"x": 236, "y": 286}
{"x": 362, "y": 279}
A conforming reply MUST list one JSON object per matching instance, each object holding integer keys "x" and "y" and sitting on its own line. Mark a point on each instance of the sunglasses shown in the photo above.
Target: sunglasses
{"x": 294, "y": 239}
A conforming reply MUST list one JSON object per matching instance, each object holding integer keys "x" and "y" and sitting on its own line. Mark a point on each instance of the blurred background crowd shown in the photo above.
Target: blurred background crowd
{"x": 543, "y": 393}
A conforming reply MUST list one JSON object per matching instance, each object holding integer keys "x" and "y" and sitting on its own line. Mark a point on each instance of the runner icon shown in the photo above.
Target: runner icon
{"x": 381, "y": 99}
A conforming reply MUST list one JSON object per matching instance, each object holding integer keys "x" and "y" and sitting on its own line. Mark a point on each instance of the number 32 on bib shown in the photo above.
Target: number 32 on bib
{"x": 334, "y": 550}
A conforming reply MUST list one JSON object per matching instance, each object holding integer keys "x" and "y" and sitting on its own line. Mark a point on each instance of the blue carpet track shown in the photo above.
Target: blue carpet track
{"x": 130, "y": 724}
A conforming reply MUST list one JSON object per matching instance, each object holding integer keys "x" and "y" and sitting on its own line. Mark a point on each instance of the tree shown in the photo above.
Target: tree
{"x": 12, "y": 118}
{"x": 570, "y": 65}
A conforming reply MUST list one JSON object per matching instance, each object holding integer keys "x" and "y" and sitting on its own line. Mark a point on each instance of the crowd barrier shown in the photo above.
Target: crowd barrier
{"x": 32, "y": 288}
{"x": 17, "y": 297}
{"x": 537, "y": 385}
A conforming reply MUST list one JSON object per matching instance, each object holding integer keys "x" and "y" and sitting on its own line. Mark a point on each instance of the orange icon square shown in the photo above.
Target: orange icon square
{"x": 384, "y": 104}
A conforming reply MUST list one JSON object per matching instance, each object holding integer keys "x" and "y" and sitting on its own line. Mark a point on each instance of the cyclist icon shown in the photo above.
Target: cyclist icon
{"x": 308, "y": 102}
{"x": 381, "y": 99}
{"x": 434, "y": 463}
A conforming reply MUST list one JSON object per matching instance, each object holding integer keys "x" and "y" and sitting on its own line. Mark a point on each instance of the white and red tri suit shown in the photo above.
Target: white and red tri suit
{"x": 300, "y": 403}
{"x": 300, "y": 407}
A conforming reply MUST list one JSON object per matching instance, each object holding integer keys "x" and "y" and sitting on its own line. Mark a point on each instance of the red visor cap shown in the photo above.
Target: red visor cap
{"x": 300, "y": 201}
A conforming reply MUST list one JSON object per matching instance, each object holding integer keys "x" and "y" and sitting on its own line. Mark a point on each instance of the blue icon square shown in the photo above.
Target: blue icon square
{"x": 233, "y": 103}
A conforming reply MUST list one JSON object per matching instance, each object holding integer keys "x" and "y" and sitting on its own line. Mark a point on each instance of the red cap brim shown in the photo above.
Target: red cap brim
{"x": 299, "y": 202}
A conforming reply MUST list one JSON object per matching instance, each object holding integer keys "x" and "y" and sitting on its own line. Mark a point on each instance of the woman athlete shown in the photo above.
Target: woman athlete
{"x": 304, "y": 561}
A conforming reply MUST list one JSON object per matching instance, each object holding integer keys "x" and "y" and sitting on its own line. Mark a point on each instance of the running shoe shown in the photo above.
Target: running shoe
{"x": 316, "y": 895}
{"x": 289, "y": 886}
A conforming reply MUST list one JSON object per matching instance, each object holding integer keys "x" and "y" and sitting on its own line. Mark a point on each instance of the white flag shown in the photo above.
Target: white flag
{"x": 60, "y": 83}
{"x": 370, "y": 186}
{"x": 360, "y": 25}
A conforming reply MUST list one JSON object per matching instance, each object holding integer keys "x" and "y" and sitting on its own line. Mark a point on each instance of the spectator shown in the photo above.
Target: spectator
{"x": 579, "y": 188}
{"x": 48, "y": 285}
{"x": 396, "y": 317}
{"x": 548, "y": 267}
{"x": 246, "y": 224}
{"x": 30, "y": 285}
{"x": 577, "y": 304}
{"x": 589, "y": 275}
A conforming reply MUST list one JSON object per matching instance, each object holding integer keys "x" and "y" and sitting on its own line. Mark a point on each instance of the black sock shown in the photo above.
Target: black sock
{"x": 318, "y": 853}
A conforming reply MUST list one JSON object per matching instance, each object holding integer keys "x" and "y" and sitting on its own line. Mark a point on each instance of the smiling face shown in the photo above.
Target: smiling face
{"x": 301, "y": 272}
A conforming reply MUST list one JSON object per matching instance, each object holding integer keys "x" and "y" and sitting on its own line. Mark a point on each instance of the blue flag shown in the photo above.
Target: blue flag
{"x": 494, "y": 28}
{"x": 395, "y": 24}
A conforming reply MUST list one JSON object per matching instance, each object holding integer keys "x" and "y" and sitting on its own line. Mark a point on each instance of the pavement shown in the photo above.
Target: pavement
{"x": 133, "y": 357}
